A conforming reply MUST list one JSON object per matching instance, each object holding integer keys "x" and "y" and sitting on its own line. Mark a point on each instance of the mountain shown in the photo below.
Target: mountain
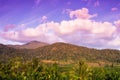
{"x": 70, "y": 52}
{"x": 6, "y": 53}
{"x": 4, "y": 49}
{"x": 61, "y": 52}
{"x": 29, "y": 45}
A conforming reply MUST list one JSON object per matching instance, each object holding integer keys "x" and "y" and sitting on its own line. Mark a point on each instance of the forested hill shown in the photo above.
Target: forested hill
{"x": 62, "y": 52}
{"x": 29, "y": 45}
{"x": 65, "y": 51}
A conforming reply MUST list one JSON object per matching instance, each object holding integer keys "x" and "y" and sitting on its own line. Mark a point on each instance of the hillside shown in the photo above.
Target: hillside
{"x": 6, "y": 53}
{"x": 69, "y": 52}
{"x": 62, "y": 52}
{"x": 4, "y": 49}
{"x": 29, "y": 45}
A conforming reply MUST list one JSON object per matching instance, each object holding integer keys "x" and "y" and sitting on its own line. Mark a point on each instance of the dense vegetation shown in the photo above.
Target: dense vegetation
{"x": 61, "y": 52}
{"x": 17, "y": 69}
{"x": 64, "y": 64}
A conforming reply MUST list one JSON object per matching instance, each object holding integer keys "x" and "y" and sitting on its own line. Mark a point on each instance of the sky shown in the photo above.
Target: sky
{"x": 90, "y": 23}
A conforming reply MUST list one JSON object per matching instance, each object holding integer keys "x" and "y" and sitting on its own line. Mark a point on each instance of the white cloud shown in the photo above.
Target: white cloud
{"x": 44, "y": 17}
{"x": 81, "y": 14}
{"x": 105, "y": 29}
{"x": 115, "y": 42}
{"x": 53, "y": 32}
{"x": 117, "y": 23}
{"x": 81, "y": 30}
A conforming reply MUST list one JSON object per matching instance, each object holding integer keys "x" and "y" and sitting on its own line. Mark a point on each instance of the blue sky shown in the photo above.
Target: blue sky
{"x": 92, "y": 23}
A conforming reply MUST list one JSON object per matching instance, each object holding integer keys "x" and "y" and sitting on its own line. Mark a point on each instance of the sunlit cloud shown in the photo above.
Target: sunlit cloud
{"x": 80, "y": 30}
{"x": 115, "y": 42}
{"x": 43, "y": 19}
{"x": 81, "y": 14}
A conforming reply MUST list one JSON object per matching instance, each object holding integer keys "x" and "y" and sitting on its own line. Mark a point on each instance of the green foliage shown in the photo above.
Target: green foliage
{"x": 82, "y": 71}
{"x": 18, "y": 69}
{"x": 61, "y": 52}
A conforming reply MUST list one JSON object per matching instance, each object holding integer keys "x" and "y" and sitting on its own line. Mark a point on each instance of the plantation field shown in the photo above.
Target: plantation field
{"x": 18, "y": 69}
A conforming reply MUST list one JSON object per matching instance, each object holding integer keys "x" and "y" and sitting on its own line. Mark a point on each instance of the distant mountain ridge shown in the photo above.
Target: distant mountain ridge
{"x": 60, "y": 52}
{"x": 66, "y": 52}
{"x": 29, "y": 45}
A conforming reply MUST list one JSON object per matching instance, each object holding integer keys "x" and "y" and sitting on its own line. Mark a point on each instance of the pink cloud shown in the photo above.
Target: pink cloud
{"x": 41, "y": 33}
{"x": 81, "y": 14}
{"x": 52, "y": 32}
{"x": 117, "y": 23}
{"x": 9, "y": 27}
{"x": 104, "y": 29}
{"x": 114, "y": 9}
{"x": 43, "y": 19}
{"x": 80, "y": 30}
{"x": 115, "y": 42}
